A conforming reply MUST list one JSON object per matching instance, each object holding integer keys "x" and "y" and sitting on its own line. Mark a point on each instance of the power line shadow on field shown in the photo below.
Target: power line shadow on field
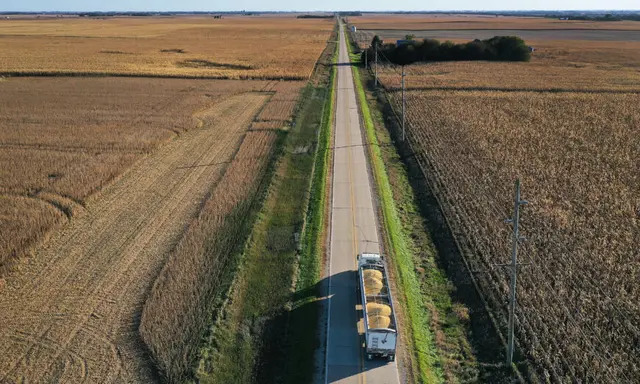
{"x": 290, "y": 341}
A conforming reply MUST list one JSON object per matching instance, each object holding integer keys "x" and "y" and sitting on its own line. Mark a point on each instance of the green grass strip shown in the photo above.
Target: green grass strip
{"x": 419, "y": 319}
{"x": 302, "y": 335}
{"x": 310, "y": 272}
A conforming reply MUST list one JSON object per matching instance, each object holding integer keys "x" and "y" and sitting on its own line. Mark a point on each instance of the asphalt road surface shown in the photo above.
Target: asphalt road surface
{"x": 354, "y": 230}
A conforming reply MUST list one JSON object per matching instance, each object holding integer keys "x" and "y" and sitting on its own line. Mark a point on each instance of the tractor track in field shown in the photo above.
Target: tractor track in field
{"x": 71, "y": 312}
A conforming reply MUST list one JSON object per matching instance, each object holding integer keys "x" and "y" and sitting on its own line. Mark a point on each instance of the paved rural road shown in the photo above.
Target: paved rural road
{"x": 353, "y": 230}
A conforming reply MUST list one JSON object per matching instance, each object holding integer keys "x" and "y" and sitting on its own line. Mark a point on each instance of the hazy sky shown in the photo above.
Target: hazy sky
{"x": 288, "y": 5}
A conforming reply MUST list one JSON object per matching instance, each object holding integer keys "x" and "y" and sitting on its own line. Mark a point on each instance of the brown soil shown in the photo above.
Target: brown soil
{"x": 71, "y": 313}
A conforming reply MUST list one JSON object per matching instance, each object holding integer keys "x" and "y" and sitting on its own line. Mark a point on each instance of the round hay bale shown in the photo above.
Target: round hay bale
{"x": 372, "y": 274}
{"x": 373, "y": 286}
{"x": 379, "y": 321}
{"x": 375, "y": 309}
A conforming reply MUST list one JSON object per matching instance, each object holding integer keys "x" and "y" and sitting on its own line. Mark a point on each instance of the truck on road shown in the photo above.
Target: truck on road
{"x": 380, "y": 328}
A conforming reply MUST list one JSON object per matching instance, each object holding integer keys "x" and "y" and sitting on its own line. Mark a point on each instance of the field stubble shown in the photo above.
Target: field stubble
{"x": 555, "y": 66}
{"x": 178, "y": 311}
{"x": 70, "y": 314}
{"x": 462, "y": 22}
{"x": 62, "y": 140}
{"x": 235, "y": 47}
{"x": 162, "y": 172}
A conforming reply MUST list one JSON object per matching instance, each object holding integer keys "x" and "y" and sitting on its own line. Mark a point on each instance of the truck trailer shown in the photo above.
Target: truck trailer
{"x": 380, "y": 328}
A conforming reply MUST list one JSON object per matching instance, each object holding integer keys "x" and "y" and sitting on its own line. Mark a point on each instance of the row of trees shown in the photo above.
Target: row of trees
{"x": 498, "y": 48}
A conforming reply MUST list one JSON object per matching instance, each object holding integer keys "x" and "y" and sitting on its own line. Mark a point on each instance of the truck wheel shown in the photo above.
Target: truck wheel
{"x": 392, "y": 357}
{"x": 369, "y": 356}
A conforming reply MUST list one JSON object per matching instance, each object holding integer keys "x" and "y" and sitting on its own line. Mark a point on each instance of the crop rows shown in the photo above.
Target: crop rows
{"x": 62, "y": 140}
{"x": 177, "y": 313}
{"x": 282, "y": 104}
{"x": 540, "y": 75}
{"x": 278, "y": 110}
{"x": 576, "y": 155}
{"x": 272, "y": 124}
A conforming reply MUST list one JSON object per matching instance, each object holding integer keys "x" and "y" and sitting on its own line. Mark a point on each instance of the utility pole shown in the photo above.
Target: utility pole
{"x": 375, "y": 44}
{"x": 366, "y": 62}
{"x": 514, "y": 269}
{"x": 403, "y": 104}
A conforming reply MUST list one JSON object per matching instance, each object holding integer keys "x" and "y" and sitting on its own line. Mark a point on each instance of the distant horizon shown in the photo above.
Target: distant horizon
{"x": 396, "y": 11}
{"x": 295, "y": 6}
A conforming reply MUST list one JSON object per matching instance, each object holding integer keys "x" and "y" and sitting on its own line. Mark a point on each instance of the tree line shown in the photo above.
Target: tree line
{"x": 498, "y": 48}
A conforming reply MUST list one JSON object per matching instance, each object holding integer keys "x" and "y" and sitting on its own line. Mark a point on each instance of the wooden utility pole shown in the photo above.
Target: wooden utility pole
{"x": 366, "y": 62}
{"x": 403, "y": 105}
{"x": 375, "y": 44}
{"x": 514, "y": 269}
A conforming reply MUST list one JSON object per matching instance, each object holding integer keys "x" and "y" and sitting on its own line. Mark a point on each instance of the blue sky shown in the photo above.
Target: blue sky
{"x": 289, "y": 5}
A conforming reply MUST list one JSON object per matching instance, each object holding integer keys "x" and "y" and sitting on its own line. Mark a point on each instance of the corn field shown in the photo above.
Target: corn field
{"x": 578, "y": 156}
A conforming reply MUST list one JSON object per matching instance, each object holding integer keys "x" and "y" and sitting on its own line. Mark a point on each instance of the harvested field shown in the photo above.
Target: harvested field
{"x": 592, "y": 66}
{"x": 275, "y": 124}
{"x": 555, "y": 74}
{"x": 235, "y": 47}
{"x": 62, "y": 140}
{"x": 577, "y": 155}
{"x": 566, "y": 124}
{"x": 111, "y": 181}
{"x": 594, "y": 63}
{"x": 539, "y": 35}
{"x": 20, "y": 218}
{"x": 480, "y": 22}
{"x": 176, "y": 315}
{"x": 71, "y": 313}
{"x": 278, "y": 110}
{"x": 282, "y": 104}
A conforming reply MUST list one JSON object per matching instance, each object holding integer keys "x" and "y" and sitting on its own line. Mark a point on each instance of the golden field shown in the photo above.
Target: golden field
{"x": 234, "y": 47}
{"x": 466, "y": 22}
{"x": 570, "y": 60}
{"x": 97, "y": 271}
{"x": 577, "y": 156}
{"x": 568, "y": 125}
{"x": 556, "y": 65}
{"x": 64, "y": 139}
{"x": 133, "y": 152}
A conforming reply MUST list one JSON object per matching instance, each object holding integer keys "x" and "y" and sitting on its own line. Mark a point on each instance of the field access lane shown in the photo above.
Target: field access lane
{"x": 353, "y": 230}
